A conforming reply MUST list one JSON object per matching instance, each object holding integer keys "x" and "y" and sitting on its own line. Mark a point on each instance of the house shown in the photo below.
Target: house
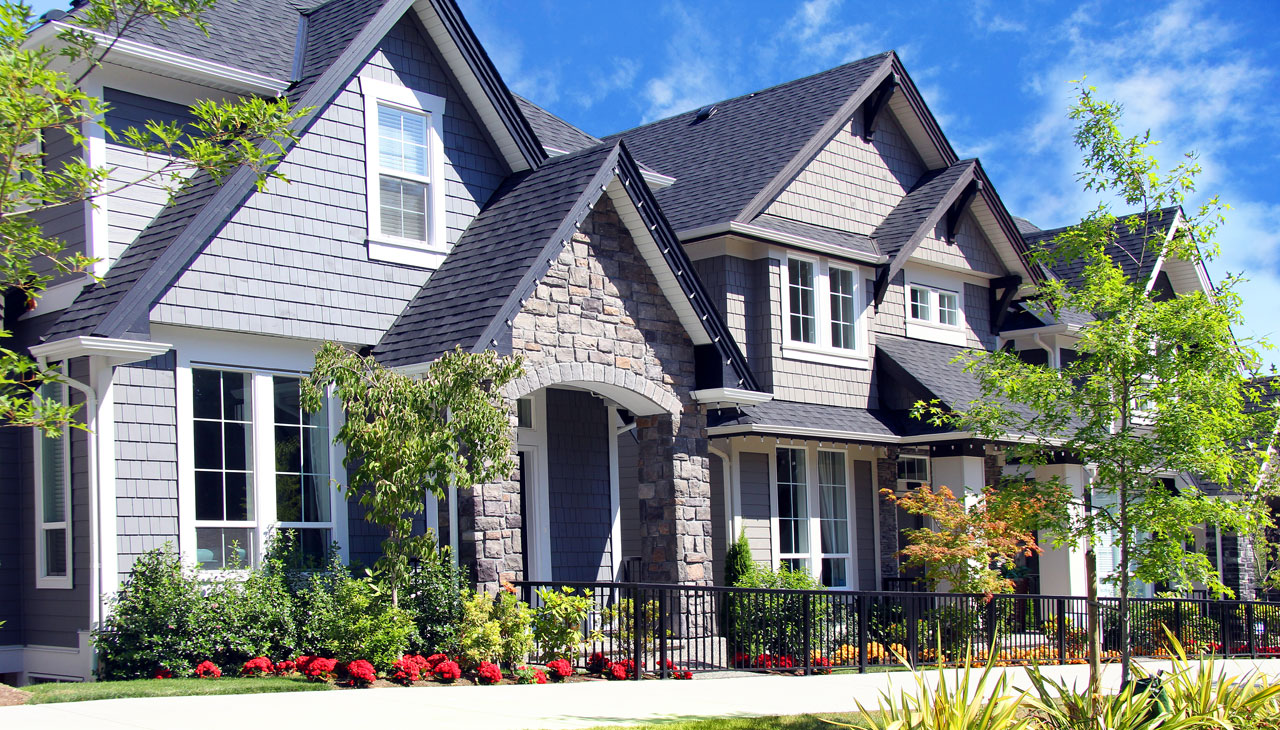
{"x": 724, "y": 318}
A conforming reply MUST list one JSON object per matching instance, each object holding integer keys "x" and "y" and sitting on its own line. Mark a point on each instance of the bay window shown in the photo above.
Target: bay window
{"x": 814, "y": 514}
{"x": 821, "y": 312}
{"x": 53, "y": 500}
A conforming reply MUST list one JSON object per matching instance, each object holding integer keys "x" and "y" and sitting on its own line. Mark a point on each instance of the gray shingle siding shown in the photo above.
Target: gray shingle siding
{"x": 977, "y": 316}
{"x": 12, "y": 525}
{"x": 757, "y": 512}
{"x": 293, "y": 260}
{"x": 578, "y": 492}
{"x": 971, "y": 250}
{"x": 628, "y": 493}
{"x": 892, "y": 317}
{"x": 146, "y": 458}
{"x": 52, "y": 617}
{"x": 864, "y": 517}
{"x": 64, "y": 222}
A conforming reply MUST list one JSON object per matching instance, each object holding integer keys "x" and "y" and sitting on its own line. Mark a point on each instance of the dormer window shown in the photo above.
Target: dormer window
{"x": 822, "y": 312}
{"x": 935, "y": 307}
{"x": 404, "y": 165}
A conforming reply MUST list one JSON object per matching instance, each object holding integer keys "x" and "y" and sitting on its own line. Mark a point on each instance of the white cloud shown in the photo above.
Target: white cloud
{"x": 538, "y": 83}
{"x": 989, "y": 22}
{"x": 696, "y": 71}
{"x": 619, "y": 76}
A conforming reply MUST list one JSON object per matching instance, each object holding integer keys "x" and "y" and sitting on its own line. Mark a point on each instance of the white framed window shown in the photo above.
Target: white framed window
{"x": 935, "y": 310}
{"x": 913, "y": 469}
{"x": 258, "y": 462}
{"x": 404, "y": 161}
{"x": 53, "y": 500}
{"x": 822, "y": 312}
{"x": 833, "y": 519}
{"x": 793, "y": 508}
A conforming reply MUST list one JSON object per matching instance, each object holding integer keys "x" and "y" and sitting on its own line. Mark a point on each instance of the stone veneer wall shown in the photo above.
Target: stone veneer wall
{"x": 887, "y": 478}
{"x": 598, "y": 315}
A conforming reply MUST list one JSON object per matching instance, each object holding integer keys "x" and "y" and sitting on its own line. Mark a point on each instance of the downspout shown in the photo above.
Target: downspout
{"x": 1053, "y": 356}
{"x": 97, "y": 607}
{"x": 730, "y": 505}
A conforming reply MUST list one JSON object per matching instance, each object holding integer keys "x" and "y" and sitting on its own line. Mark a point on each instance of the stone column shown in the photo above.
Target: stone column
{"x": 887, "y": 478}
{"x": 675, "y": 499}
{"x": 491, "y": 528}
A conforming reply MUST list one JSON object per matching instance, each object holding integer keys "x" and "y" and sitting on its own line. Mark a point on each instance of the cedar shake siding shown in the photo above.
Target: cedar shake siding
{"x": 578, "y": 465}
{"x": 756, "y": 510}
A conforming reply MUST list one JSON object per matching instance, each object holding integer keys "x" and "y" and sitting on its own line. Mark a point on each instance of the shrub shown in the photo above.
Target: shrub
{"x": 284, "y": 667}
{"x": 597, "y": 663}
{"x": 529, "y": 675}
{"x": 447, "y": 671}
{"x": 408, "y": 669}
{"x": 349, "y": 620}
{"x": 479, "y": 635}
{"x": 318, "y": 669}
{"x": 618, "y": 670}
{"x": 433, "y": 593}
{"x": 774, "y": 623}
{"x": 361, "y": 673}
{"x": 558, "y": 620}
{"x": 737, "y": 565}
{"x": 154, "y": 622}
{"x": 560, "y": 669}
{"x": 207, "y": 670}
{"x": 622, "y": 616}
{"x": 433, "y": 660}
{"x": 488, "y": 673}
{"x": 257, "y": 667}
{"x": 514, "y": 624}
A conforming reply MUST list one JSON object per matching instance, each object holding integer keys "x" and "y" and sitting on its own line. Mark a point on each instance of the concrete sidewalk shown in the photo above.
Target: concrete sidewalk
{"x": 578, "y": 705}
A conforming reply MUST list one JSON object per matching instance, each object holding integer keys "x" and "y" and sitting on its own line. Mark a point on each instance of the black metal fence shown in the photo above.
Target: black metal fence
{"x": 661, "y": 627}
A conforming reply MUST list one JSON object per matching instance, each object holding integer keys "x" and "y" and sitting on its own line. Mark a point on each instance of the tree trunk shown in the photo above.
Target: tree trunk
{"x": 1094, "y": 622}
{"x": 1126, "y": 655}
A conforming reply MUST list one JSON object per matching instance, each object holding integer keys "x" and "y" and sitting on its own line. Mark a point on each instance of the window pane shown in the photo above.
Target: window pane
{"x": 288, "y": 449}
{"x": 793, "y": 506}
{"x": 235, "y": 396}
{"x": 842, "y": 309}
{"x": 237, "y": 449}
{"x": 833, "y": 511}
{"x": 55, "y": 553}
{"x": 288, "y": 498}
{"x": 404, "y": 208}
{"x": 209, "y": 495}
{"x": 316, "y": 492}
{"x": 239, "y": 496}
{"x": 313, "y": 549}
{"x": 53, "y": 464}
{"x": 948, "y": 308}
{"x": 208, "y": 445}
{"x": 913, "y": 468}
{"x": 206, "y": 387}
{"x": 220, "y": 548}
{"x": 288, "y": 407}
{"x": 920, "y": 303}
{"x": 835, "y": 572}
{"x": 803, "y": 323}
{"x": 402, "y": 140}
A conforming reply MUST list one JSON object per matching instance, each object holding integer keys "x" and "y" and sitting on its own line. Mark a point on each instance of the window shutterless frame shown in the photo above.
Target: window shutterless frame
{"x": 404, "y": 174}
{"x": 53, "y": 544}
{"x": 935, "y": 308}
{"x": 822, "y": 307}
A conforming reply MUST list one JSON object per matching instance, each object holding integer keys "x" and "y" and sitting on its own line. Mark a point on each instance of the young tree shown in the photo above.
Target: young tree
{"x": 407, "y": 436}
{"x": 42, "y": 97}
{"x": 1160, "y": 384}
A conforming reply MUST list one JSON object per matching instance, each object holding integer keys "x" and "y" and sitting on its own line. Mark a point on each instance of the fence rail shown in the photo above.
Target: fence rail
{"x": 661, "y": 627}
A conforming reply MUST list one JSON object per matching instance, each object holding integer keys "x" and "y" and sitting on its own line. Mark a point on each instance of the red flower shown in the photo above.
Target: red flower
{"x": 785, "y": 662}
{"x": 539, "y": 676}
{"x": 163, "y": 674}
{"x": 434, "y": 660}
{"x": 285, "y": 667}
{"x": 764, "y": 661}
{"x": 320, "y": 670}
{"x": 488, "y": 673}
{"x": 302, "y": 662}
{"x": 257, "y": 667}
{"x": 682, "y": 674}
{"x": 447, "y": 671}
{"x": 208, "y": 670}
{"x": 361, "y": 673}
{"x": 408, "y": 669}
{"x": 742, "y": 660}
{"x": 618, "y": 670}
{"x": 598, "y": 664}
{"x": 560, "y": 669}
{"x": 821, "y": 665}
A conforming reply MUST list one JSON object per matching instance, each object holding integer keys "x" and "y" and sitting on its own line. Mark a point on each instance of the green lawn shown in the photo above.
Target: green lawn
{"x": 790, "y": 722}
{"x": 82, "y": 691}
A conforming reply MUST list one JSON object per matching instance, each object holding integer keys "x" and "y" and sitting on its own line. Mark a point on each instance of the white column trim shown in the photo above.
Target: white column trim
{"x": 96, "y": 210}
{"x": 338, "y": 473}
{"x": 263, "y": 487}
{"x": 615, "y": 499}
{"x": 186, "y": 458}
{"x": 105, "y": 434}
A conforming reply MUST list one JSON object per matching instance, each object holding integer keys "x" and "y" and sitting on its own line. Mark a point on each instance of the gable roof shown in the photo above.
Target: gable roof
{"x": 471, "y": 299}
{"x": 921, "y": 208}
{"x": 554, "y": 132}
{"x": 929, "y": 364}
{"x": 339, "y": 37}
{"x": 721, "y": 163}
{"x": 1129, "y": 250}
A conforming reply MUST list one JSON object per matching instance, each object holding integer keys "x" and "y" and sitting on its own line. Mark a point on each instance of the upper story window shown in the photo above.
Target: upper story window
{"x": 822, "y": 312}
{"x": 53, "y": 501}
{"x": 404, "y": 159}
{"x": 935, "y": 309}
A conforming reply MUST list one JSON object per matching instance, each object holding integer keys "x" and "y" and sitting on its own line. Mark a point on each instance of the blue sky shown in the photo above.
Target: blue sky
{"x": 1201, "y": 76}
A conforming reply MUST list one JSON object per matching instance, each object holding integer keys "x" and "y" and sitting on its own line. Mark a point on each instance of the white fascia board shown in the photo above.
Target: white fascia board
{"x": 164, "y": 62}
{"x": 1048, "y": 329}
{"x": 800, "y": 432}
{"x": 730, "y": 396}
{"x": 808, "y": 244}
{"x": 657, "y": 180}
{"x": 117, "y": 351}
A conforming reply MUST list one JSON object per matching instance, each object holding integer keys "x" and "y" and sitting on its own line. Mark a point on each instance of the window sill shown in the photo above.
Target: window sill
{"x": 407, "y": 253}
{"x": 60, "y": 584}
{"x": 937, "y": 333}
{"x": 826, "y": 355}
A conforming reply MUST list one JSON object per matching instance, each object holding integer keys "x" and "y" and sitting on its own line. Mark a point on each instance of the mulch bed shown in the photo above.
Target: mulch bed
{"x": 10, "y": 696}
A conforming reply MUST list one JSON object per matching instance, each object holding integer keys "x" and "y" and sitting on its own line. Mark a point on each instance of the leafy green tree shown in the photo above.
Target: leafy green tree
{"x": 41, "y": 97}
{"x": 407, "y": 436}
{"x": 1160, "y": 385}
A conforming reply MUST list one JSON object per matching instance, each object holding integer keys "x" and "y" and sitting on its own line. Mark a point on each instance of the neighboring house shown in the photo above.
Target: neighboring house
{"x": 724, "y": 318}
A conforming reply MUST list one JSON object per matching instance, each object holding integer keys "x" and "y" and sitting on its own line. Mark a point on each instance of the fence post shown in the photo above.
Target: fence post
{"x": 1062, "y": 631}
{"x": 864, "y": 606}
{"x": 637, "y": 631}
{"x": 1177, "y": 620}
{"x": 1249, "y": 627}
{"x": 662, "y": 634}
{"x": 807, "y": 644}
{"x": 991, "y": 623}
{"x": 1223, "y": 629}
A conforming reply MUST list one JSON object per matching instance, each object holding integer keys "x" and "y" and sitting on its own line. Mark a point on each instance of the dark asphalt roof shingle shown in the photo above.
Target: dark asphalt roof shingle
{"x": 723, "y": 162}
{"x": 855, "y": 242}
{"x": 1129, "y": 251}
{"x": 930, "y": 364}
{"x": 787, "y": 414}
{"x": 902, "y": 227}
{"x": 486, "y": 265}
{"x": 554, "y": 132}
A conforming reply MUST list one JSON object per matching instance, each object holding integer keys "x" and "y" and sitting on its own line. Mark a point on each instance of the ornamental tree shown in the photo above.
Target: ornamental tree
{"x": 969, "y": 546}
{"x": 407, "y": 436}
{"x": 41, "y": 97}
{"x": 1160, "y": 386}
